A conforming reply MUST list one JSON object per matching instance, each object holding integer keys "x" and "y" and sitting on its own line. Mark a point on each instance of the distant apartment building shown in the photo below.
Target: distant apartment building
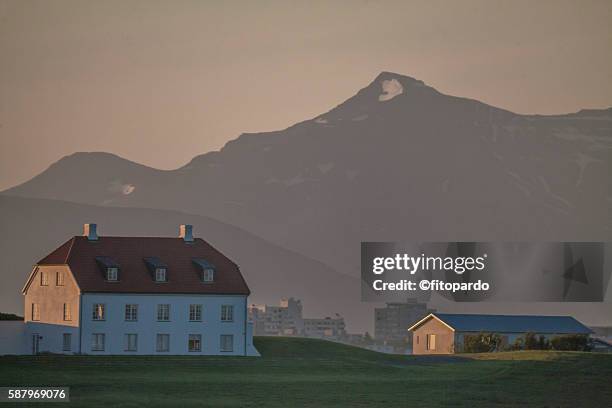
{"x": 602, "y": 338}
{"x": 604, "y": 332}
{"x": 282, "y": 320}
{"x": 325, "y": 328}
{"x": 135, "y": 295}
{"x": 391, "y": 321}
{"x": 286, "y": 319}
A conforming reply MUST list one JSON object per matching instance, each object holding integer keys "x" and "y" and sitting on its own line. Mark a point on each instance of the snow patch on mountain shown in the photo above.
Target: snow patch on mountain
{"x": 128, "y": 189}
{"x": 352, "y": 174}
{"x": 445, "y": 185}
{"x": 295, "y": 180}
{"x": 116, "y": 186}
{"x": 583, "y": 161}
{"x": 288, "y": 182}
{"x": 325, "y": 167}
{"x": 557, "y": 198}
{"x": 390, "y": 89}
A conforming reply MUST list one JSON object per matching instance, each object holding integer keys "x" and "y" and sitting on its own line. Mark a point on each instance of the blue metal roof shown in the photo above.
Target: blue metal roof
{"x": 513, "y": 323}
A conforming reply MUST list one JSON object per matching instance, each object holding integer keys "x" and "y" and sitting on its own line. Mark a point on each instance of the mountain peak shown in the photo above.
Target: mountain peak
{"x": 387, "y": 85}
{"x": 387, "y": 90}
{"x": 388, "y": 75}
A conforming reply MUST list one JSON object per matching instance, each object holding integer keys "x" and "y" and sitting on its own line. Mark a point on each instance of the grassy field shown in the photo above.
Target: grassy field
{"x": 313, "y": 373}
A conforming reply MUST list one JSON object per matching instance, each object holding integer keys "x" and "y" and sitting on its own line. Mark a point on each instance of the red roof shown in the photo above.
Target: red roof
{"x": 134, "y": 277}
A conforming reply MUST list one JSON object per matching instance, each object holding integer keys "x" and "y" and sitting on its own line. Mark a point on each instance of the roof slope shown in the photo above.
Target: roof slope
{"x": 513, "y": 323}
{"x": 129, "y": 252}
{"x": 59, "y": 256}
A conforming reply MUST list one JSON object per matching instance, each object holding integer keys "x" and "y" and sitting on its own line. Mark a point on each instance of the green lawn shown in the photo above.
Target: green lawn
{"x": 313, "y": 373}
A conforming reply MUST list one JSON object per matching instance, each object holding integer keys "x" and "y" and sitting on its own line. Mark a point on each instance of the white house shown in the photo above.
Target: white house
{"x": 137, "y": 295}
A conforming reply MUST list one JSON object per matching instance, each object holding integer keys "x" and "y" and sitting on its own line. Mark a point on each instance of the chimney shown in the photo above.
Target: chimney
{"x": 90, "y": 231}
{"x": 186, "y": 232}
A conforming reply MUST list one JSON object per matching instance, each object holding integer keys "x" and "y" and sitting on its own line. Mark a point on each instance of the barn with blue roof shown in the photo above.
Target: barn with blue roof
{"x": 444, "y": 333}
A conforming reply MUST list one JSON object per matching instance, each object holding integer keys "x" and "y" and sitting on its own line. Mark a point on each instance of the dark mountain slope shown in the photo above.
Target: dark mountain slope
{"x": 399, "y": 160}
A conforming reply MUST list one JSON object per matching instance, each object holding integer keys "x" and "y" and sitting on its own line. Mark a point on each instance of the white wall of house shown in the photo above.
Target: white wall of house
{"x": 50, "y": 338}
{"x": 251, "y": 350}
{"x": 179, "y": 327}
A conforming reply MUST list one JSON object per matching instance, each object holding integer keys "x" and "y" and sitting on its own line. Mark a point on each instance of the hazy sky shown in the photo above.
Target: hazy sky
{"x": 159, "y": 82}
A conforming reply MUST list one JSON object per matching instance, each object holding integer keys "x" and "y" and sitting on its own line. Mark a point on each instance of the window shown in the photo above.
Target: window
{"x": 98, "y": 311}
{"x": 163, "y": 343}
{"x": 158, "y": 269}
{"x": 131, "y": 313}
{"x": 160, "y": 274}
{"x": 431, "y": 342}
{"x": 195, "y": 313}
{"x": 109, "y": 268}
{"x": 44, "y": 279}
{"x": 67, "y": 342}
{"x": 163, "y": 313}
{"x": 227, "y": 342}
{"x": 208, "y": 275}
{"x": 112, "y": 274}
{"x": 67, "y": 312}
{"x": 207, "y": 270}
{"x": 227, "y": 313}
{"x": 59, "y": 278}
{"x": 97, "y": 342}
{"x": 131, "y": 342}
{"x": 195, "y": 342}
{"x": 35, "y": 312}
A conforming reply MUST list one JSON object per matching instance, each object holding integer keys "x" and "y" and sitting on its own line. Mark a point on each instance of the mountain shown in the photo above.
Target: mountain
{"x": 34, "y": 227}
{"x": 398, "y": 160}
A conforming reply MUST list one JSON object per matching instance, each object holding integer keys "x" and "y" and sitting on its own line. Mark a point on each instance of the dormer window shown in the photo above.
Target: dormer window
{"x": 206, "y": 270}
{"x": 109, "y": 267}
{"x": 160, "y": 274}
{"x": 208, "y": 275}
{"x": 157, "y": 268}
{"x": 112, "y": 274}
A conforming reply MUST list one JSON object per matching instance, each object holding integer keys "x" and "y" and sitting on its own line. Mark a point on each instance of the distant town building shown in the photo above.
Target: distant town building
{"x": 601, "y": 338}
{"x": 357, "y": 339}
{"x": 286, "y": 319}
{"x": 604, "y": 332}
{"x": 390, "y": 322}
{"x": 601, "y": 345}
{"x": 325, "y": 328}
{"x": 283, "y": 320}
{"x": 382, "y": 348}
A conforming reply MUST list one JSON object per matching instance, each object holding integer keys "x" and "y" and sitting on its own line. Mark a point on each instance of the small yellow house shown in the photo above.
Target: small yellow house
{"x": 444, "y": 333}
